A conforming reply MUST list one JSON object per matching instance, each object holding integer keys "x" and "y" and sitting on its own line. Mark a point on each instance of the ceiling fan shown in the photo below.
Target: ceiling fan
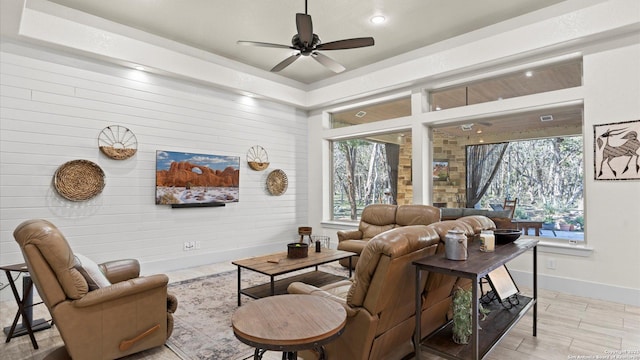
{"x": 307, "y": 43}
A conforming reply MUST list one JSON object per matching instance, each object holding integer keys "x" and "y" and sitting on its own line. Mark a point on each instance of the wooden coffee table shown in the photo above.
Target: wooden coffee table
{"x": 277, "y": 264}
{"x": 289, "y": 323}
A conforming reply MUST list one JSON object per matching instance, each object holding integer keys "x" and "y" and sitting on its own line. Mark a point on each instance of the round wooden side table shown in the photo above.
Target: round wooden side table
{"x": 289, "y": 323}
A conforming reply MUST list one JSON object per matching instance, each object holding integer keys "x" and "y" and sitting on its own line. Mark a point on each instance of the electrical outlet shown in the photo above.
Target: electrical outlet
{"x": 551, "y": 264}
{"x": 185, "y": 246}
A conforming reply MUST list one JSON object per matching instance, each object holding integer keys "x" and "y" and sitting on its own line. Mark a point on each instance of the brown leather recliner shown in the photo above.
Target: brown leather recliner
{"x": 124, "y": 315}
{"x": 380, "y": 297}
{"x": 378, "y": 218}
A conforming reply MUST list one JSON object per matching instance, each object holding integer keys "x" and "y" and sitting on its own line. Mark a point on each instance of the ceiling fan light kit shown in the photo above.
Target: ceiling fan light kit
{"x": 306, "y": 43}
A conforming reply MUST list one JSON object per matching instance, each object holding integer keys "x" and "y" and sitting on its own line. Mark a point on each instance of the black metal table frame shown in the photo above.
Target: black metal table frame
{"x": 23, "y": 304}
{"x": 290, "y": 352}
{"x": 475, "y": 278}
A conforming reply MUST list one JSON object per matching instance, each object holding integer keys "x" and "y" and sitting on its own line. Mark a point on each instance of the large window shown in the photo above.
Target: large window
{"x": 541, "y": 166}
{"x": 545, "y": 175}
{"x": 536, "y": 80}
{"x": 379, "y": 111}
{"x": 372, "y": 169}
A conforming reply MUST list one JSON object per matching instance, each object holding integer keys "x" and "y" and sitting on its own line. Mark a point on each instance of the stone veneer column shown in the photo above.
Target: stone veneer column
{"x": 451, "y": 191}
{"x": 405, "y": 186}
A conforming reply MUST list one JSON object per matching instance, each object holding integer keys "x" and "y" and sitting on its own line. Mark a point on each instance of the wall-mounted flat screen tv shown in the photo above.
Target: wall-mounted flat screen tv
{"x": 196, "y": 179}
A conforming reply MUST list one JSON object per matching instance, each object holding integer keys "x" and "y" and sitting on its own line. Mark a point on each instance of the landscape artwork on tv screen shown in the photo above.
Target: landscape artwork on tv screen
{"x": 187, "y": 178}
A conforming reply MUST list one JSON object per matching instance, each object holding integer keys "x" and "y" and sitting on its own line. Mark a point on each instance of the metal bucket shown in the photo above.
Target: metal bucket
{"x": 455, "y": 245}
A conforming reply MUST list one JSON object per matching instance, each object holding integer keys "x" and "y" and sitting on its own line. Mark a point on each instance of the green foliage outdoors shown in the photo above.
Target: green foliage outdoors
{"x": 546, "y": 175}
{"x": 360, "y": 175}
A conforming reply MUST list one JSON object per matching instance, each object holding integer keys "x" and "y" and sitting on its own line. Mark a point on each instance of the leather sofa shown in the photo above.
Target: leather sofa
{"x": 122, "y": 314}
{"x": 501, "y": 218}
{"x": 380, "y": 296}
{"x": 378, "y": 218}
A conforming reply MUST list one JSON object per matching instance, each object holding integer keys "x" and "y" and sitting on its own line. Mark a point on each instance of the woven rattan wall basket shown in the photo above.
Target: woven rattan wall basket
{"x": 117, "y": 142}
{"x": 277, "y": 182}
{"x": 257, "y": 158}
{"x": 79, "y": 180}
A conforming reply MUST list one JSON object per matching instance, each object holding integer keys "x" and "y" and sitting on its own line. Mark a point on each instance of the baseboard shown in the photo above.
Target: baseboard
{"x": 580, "y": 287}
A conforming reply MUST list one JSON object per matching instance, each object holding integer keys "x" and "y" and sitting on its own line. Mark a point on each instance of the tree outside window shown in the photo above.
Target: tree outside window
{"x": 366, "y": 171}
{"x": 546, "y": 175}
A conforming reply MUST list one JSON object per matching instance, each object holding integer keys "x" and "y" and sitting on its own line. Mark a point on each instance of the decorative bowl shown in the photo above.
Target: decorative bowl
{"x": 297, "y": 250}
{"x": 505, "y": 236}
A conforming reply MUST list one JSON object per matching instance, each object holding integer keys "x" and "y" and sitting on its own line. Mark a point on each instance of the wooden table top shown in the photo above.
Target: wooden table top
{"x": 532, "y": 222}
{"x": 279, "y": 263}
{"x": 289, "y": 322}
{"x": 478, "y": 263}
{"x": 15, "y": 267}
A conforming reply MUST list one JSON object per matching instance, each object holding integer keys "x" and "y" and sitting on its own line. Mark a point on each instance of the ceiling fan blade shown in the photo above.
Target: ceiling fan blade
{"x": 286, "y": 62}
{"x": 264, "y": 44}
{"x": 305, "y": 28}
{"x": 347, "y": 44}
{"x": 328, "y": 62}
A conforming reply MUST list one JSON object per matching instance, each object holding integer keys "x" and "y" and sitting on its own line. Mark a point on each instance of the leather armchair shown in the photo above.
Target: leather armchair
{"x": 378, "y": 218}
{"x": 128, "y": 315}
{"x": 380, "y": 297}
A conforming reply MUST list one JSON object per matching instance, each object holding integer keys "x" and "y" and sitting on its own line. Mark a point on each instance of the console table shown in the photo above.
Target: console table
{"x": 499, "y": 321}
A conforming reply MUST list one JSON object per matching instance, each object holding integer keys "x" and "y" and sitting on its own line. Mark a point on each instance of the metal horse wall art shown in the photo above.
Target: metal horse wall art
{"x": 617, "y": 145}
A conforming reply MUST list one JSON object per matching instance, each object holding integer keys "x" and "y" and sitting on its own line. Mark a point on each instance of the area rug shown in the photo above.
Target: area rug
{"x": 202, "y": 324}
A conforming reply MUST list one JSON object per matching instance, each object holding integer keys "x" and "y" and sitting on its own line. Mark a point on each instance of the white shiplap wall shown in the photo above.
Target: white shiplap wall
{"x": 54, "y": 107}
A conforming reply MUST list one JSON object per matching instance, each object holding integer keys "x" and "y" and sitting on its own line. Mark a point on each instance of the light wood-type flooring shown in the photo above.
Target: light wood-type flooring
{"x": 569, "y": 327}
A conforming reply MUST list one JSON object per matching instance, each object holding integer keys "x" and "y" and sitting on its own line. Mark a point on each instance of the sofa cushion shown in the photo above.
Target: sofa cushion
{"x": 91, "y": 272}
{"x": 391, "y": 244}
{"x": 479, "y": 222}
{"x": 369, "y": 231}
{"x": 416, "y": 215}
{"x": 378, "y": 214}
{"x": 355, "y": 246}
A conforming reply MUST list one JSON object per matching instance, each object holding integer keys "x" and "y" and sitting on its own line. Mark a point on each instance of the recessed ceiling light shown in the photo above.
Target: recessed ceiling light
{"x": 378, "y": 19}
{"x": 529, "y": 74}
{"x": 478, "y": 131}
